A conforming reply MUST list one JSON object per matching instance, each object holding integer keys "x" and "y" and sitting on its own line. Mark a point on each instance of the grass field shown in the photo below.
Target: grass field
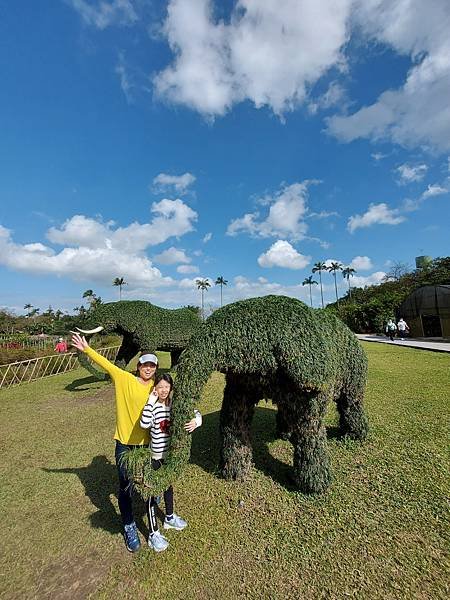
{"x": 382, "y": 531}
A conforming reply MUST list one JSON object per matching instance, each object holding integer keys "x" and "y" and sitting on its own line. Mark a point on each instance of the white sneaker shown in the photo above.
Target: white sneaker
{"x": 175, "y": 522}
{"x": 157, "y": 541}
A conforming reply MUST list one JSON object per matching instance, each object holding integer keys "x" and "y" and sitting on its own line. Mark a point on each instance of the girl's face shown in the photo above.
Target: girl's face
{"x": 147, "y": 371}
{"x": 163, "y": 388}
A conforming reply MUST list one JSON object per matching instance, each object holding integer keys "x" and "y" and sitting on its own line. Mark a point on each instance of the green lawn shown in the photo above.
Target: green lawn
{"x": 382, "y": 531}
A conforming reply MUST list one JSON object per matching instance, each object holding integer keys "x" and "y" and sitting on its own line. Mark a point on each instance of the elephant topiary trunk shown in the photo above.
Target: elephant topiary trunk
{"x": 271, "y": 347}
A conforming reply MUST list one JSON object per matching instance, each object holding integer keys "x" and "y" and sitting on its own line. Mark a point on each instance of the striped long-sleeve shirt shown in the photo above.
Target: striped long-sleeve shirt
{"x": 156, "y": 417}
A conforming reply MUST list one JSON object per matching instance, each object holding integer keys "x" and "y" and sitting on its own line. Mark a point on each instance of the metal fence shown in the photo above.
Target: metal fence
{"x": 45, "y": 366}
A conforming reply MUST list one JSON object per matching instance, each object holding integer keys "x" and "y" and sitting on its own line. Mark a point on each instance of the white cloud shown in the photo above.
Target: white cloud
{"x": 409, "y": 173}
{"x": 375, "y": 215}
{"x": 282, "y": 254}
{"x": 103, "y": 14}
{"x": 434, "y": 190}
{"x": 288, "y": 209}
{"x": 133, "y": 81}
{"x": 172, "y": 256}
{"x": 207, "y": 238}
{"x": 330, "y": 261}
{"x": 377, "y": 156}
{"x": 269, "y": 52}
{"x": 417, "y": 113}
{"x": 323, "y": 214}
{"x": 187, "y": 269}
{"x": 100, "y": 264}
{"x": 411, "y": 205}
{"x": 172, "y": 218}
{"x": 361, "y": 263}
{"x": 373, "y": 279}
{"x": 272, "y": 53}
{"x": 99, "y": 251}
{"x": 180, "y": 183}
{"x": 334, "y": 95}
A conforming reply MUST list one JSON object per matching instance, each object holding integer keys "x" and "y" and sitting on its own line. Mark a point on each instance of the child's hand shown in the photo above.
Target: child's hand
{"x": 190, "y": 425}
{"x": 153, "y": 396}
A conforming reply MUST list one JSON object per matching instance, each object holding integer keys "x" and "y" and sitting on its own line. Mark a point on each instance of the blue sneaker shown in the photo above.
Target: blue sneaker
{"x": 131, "y": 537}
{"x": 157, "y": 541}
{"x": 175, "y": 522}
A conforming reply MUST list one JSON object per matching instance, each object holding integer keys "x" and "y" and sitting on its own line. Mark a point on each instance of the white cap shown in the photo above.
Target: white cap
{"x": 148, "y": 358}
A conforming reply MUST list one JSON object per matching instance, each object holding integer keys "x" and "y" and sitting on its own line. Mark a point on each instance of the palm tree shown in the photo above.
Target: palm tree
{"x": 89, "y": 294}
{"x": 120, "y": 281}
{"x": 318, "y": 268}
{"x": 346, "y": 274}
{"x": 221, "y": 281}
{"x": 28, "y": 307}
{"x": 335, "y": 266}
{"x": 202, "y": 285}
{"x": 309, "y": 281}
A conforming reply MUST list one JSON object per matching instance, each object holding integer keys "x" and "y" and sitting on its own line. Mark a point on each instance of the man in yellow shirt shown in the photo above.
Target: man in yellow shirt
{"x": 132, "y": 392}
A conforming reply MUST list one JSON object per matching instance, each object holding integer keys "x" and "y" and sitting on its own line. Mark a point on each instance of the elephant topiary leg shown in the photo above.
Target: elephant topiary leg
{"x": 174, "y": 356}
{"x": 283, "y": 417}
{"x": 311, "y": 464}
{"x": 352, "y": 418}
{"x": 127, "y": 351}
{"x": 235, "y": 421}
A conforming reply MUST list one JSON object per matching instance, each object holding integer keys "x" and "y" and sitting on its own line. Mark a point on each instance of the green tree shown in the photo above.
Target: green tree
{"x": 318, "y": 268}
{"x": 92, "y": 298}
{"x": 203, "y": 285}
{"x": 346, "y": 274}
{"x": 119, "y": 282}
{"x": 221, "y": 281}
{"x": 310, "y": 281}
{"x": 333, "y": 268}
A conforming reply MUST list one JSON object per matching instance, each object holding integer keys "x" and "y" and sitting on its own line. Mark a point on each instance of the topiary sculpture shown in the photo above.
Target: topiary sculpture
{"x": 144, "y": 327}
{"x": 272, "y": 347}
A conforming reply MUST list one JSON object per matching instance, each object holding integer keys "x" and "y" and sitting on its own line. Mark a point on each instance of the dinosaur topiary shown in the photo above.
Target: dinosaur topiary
{"x": 144, "y": 327}
{"x": 272, "y": 347}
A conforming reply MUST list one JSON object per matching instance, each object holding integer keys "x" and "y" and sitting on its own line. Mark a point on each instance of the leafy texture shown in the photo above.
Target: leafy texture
{"x": 272, "y": 347}
{"x": 144, "y": 327}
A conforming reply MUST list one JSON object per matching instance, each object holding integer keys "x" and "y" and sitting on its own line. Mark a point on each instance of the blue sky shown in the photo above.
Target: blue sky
{"x": 166, "y": 141}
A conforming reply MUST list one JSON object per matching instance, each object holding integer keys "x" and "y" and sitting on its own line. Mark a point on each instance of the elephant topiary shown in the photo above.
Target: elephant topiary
{"x": 271, "y": 347}
{"x": 144, "y": 327}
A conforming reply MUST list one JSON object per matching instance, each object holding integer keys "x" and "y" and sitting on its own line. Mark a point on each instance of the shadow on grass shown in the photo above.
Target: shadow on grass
{"x": 76, "y": 384}
{"x": 205, "y": 450}
{"x": 100, "y": 482}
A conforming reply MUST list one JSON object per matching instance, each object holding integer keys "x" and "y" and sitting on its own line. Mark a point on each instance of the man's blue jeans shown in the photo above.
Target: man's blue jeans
{"x": 125, "y": 485}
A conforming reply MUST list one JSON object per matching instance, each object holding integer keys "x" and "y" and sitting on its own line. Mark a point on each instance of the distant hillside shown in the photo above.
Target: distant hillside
{"x": 368, "y": 309}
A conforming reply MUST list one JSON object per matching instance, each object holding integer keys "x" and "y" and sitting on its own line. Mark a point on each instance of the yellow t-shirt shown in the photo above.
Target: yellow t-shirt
{"x": 131, "y": 397}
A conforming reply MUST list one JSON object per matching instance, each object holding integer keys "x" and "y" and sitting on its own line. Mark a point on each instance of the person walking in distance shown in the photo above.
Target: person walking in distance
{"x": 402, "y": 328}
{"x": 391, "y": 328}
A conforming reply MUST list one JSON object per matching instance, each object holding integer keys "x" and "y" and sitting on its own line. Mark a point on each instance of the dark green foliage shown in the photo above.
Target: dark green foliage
{"x": 368, "y": 309}
{"x": 144, "y": 327}
{"x": 272, "y": 347}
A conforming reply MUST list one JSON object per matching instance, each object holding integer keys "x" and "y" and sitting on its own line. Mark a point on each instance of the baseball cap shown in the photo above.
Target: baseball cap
{"x": 148, "y": 358}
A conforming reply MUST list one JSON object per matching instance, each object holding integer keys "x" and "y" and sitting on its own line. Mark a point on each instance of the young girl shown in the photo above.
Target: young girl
{"x": 156, "y": 417}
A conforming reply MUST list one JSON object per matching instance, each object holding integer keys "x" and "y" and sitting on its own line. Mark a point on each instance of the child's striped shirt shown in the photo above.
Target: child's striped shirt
{"x": 156, "y": 417}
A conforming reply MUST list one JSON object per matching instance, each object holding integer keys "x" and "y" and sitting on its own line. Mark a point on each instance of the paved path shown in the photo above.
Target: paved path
{"x": 422, "y": 344}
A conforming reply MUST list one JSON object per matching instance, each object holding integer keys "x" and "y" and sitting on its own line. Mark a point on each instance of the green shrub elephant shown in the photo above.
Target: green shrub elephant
{"x": 144, "y": 327}
{"x": 271, "y": 347}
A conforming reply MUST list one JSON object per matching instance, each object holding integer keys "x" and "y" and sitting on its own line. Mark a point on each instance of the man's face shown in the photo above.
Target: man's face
{"x": 147, "y": 370}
